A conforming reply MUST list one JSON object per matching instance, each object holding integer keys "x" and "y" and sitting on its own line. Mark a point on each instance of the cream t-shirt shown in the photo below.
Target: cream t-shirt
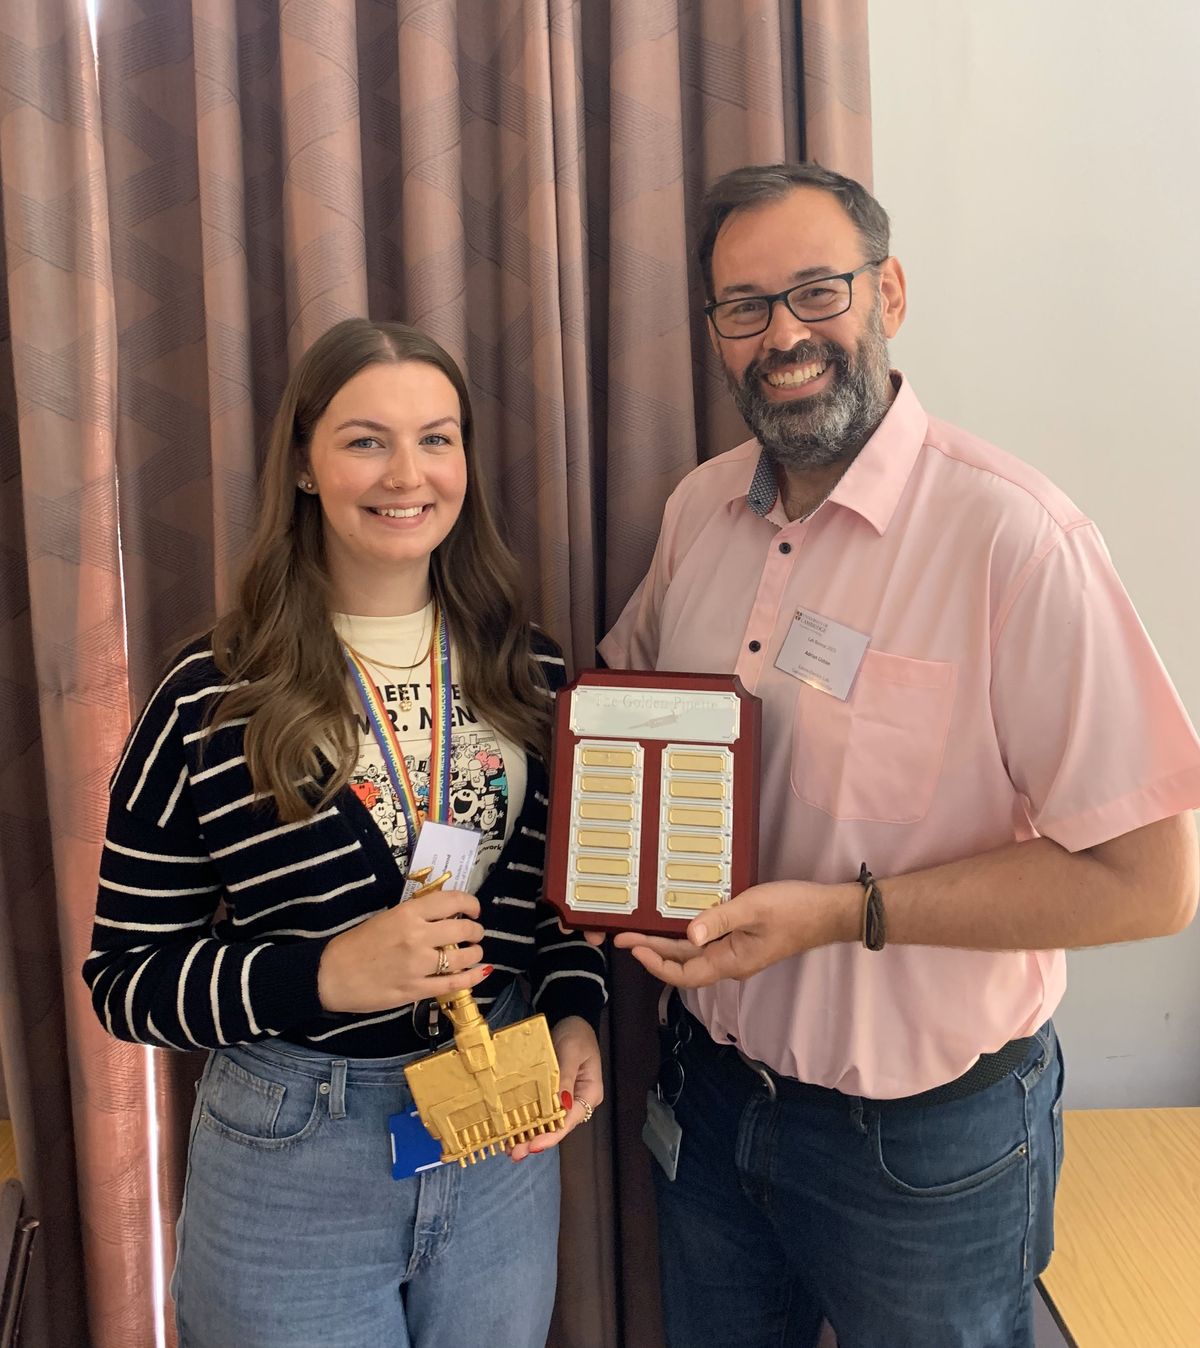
{"x": 487, "y": 771}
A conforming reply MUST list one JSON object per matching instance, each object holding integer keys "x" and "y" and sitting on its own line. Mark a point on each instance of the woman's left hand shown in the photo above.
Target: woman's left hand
{"x": 579, "y": 1078}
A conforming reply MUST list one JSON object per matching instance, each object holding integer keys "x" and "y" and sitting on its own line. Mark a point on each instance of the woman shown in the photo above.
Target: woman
{"x": 377, "y": 668}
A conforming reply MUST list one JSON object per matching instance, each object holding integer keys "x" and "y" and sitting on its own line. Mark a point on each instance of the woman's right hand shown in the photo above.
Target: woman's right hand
{"x": 392, "y": 958}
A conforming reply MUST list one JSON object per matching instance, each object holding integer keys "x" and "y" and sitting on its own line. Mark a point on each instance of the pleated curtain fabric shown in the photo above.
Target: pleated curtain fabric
{"x": 188, "y": 202}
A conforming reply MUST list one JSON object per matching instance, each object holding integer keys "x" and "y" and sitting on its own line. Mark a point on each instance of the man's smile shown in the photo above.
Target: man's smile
{"x": 790, "y": 379}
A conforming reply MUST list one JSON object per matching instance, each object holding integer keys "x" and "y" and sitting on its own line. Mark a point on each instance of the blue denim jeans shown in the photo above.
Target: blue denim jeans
{"x": 919, "y": 1226}
{"x": 294, "y": 1235}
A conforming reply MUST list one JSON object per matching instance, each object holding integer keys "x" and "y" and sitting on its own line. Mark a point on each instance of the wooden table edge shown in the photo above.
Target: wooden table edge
{"x": 1060, "y": 1323}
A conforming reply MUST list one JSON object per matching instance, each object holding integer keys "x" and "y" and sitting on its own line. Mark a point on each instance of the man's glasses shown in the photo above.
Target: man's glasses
{"x": 811, "y": 302}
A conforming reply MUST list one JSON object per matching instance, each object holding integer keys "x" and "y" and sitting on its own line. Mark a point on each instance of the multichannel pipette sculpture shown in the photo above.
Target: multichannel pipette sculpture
{"x": 487, "y": 1091}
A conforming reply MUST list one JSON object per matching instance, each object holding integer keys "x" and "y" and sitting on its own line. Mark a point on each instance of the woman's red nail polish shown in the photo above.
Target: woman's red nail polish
{"x": 566, "y": 1099}
{"x": 488, "y": 970}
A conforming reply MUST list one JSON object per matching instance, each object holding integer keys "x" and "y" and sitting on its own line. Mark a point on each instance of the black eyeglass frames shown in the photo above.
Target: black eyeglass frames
{"x": 813, "y": 301}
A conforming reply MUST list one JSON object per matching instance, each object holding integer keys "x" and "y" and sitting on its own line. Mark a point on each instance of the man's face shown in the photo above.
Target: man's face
{"x": 811, "y": 392}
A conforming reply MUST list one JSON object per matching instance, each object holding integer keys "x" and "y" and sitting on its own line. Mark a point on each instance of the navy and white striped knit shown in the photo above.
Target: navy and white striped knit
{"x": 189, "y": 835}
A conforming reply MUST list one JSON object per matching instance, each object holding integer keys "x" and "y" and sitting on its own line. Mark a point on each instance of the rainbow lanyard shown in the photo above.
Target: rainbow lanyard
{"x": 385, "y": 733}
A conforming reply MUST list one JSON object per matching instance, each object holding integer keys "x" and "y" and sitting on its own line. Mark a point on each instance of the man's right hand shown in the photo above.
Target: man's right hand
{"x": 391, "y": 959}
{"x": 758, "y": 927}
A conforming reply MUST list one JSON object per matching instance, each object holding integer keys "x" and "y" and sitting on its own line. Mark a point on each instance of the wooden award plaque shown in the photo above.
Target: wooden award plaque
{"x": 653, "y": 798}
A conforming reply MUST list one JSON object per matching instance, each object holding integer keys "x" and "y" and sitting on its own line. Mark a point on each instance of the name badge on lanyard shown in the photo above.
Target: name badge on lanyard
{"x": 432, "y": 841}
{"x": 822, "y": 653}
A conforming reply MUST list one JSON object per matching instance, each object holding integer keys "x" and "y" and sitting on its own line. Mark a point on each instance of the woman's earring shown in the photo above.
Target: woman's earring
{"x": 307, "y": 484}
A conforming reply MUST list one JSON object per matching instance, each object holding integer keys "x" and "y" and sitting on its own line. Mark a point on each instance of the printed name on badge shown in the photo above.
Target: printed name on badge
{"x": 444, "y": 847}
{"x": 822, "y": 653}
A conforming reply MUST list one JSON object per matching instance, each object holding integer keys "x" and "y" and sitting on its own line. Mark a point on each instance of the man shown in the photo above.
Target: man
{"x": 957, "y": 693}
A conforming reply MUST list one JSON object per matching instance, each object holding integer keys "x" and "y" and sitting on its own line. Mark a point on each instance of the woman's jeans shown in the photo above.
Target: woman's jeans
{"x": 294, "y": 1234}
{"x": 918, "y": 1226}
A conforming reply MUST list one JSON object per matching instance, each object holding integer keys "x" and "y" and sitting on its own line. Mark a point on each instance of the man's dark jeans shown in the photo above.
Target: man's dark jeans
{"x": 907, "y": 1227}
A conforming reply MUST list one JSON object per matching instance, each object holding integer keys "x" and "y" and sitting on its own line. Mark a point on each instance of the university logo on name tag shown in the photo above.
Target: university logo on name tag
{"x": 822, "y": 653}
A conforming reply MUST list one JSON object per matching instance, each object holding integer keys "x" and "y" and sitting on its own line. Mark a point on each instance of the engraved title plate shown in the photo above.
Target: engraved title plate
{"x": 656, "y": 714}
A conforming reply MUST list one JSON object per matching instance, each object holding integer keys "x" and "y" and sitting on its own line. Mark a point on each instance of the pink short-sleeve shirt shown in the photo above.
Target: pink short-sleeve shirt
{"x": 1008, "y": 690}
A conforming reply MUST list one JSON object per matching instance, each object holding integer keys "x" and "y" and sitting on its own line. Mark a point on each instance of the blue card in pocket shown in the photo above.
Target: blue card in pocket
{"x": 414, "y": 1148}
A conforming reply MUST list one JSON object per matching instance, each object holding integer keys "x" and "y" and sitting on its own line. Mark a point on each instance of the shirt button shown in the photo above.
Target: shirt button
{"x": 785, "y": 548}
{"x": 756, "y": 646}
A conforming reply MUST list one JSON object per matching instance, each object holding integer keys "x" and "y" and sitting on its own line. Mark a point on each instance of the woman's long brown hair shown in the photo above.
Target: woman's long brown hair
{"x": 279, "y": 638}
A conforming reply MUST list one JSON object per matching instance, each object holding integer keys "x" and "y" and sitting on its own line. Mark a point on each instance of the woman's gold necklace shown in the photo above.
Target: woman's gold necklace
{"x": 406, "y": 702}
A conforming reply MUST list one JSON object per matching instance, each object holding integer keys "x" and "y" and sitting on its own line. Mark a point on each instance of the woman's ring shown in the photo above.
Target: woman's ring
{"x": 443, "y": 961}
{"x": 588, "y": 1110}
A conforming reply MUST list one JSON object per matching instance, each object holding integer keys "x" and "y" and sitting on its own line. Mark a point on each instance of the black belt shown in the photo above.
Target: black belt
{"x": 987, "y": 1071}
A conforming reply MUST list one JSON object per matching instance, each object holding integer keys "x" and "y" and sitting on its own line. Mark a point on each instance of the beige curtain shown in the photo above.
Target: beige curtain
{"x": 63, "y": 672}
{"x": 183, "y": 212}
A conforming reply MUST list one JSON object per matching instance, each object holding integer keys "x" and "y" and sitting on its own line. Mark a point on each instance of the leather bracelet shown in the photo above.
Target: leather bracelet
{"x": 874, "y": 925}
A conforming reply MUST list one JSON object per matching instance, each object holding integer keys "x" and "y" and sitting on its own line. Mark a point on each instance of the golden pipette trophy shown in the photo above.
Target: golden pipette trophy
{"x": 487, "y": 1091}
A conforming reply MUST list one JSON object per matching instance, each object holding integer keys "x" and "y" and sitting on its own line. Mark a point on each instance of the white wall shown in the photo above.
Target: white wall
{"x": 1041, "y": 163}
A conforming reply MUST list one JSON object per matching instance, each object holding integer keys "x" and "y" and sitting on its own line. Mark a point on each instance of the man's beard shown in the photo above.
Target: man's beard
{"x": 835, "y": 424}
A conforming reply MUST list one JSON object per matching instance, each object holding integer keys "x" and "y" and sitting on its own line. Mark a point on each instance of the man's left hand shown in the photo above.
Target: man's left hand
{"x": 761, "y": 926}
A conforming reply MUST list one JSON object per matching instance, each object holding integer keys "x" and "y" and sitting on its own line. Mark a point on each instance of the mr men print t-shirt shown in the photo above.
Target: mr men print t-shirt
{"x": 487, "y": 771}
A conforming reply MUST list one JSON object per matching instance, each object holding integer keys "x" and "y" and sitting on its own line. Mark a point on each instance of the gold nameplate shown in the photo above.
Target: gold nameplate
{"x": 622, "y": 786}
{"x": 606, "y": 809}
{"x": 690, "y": 898}
{"x": 684, "y": 816}
{"x": 608, "y": 895}
{"x": 607, "y": 758}
{"x": 604, "y": 837}
{"x": 589, "y": 865}
{"x": 702, "y": 843}
{"x": 706, "y": 875}
{"x": 687, "y": 788}
{"x": 696, "y": 763}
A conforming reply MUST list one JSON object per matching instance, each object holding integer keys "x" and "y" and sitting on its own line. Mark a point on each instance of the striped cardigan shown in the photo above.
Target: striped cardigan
{"x": 188, "y": 836}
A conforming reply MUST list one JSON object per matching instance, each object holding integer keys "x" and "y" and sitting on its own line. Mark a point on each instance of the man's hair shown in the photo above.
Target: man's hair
{"x": 757, "y": 184}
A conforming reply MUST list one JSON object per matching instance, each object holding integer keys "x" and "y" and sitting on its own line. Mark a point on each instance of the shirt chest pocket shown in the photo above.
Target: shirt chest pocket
{"x": 877, "y": 756}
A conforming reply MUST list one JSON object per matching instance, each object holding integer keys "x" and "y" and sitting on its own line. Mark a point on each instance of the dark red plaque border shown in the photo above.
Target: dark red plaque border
{"x": 744, "y": 850}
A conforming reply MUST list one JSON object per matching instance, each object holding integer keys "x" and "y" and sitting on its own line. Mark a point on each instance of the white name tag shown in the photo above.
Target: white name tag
{"x": 822, "y": 653}
{"x": 444, "y": 847}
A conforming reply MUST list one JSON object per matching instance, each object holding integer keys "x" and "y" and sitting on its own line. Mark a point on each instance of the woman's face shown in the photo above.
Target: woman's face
{"x": 388, "y": 465}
